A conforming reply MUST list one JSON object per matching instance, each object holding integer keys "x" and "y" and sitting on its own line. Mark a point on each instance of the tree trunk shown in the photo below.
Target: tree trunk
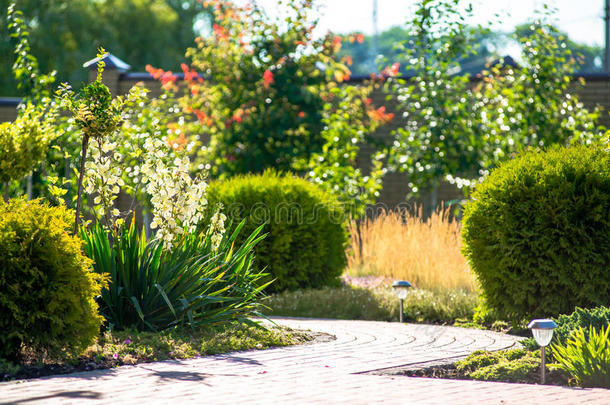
{"x": 80, "y": 183}
{"x": 29, "y": 187}
{"x": 359, "y": 232}
{"x": 5, "y": 192}
{"x": 433, "y": 200}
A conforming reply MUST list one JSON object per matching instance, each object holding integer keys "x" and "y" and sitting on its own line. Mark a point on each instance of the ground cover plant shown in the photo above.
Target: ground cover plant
{"x": 403, "y": 245}
{"x": 515, "y": 366}
{"x": 537, "y": 232}
{"x": 128, "y": 347}
{"x": 374, "y": 303}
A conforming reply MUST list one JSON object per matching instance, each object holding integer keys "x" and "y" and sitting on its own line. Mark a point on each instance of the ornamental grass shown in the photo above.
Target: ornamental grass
{"x": 402, "y": 245}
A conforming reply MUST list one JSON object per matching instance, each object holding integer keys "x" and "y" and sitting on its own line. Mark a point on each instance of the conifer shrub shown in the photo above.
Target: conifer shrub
{"x": 305, "y": 227}
{"x": 537, "y": 232}
{"x": 582, "y": 318}
{"x": 47, "y": 286}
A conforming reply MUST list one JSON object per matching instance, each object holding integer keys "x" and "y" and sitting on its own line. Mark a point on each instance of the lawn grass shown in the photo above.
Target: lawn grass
{"x": 375, "y": 304}
{"x": 130, "y": 347}
{"x": 401, "y": 245}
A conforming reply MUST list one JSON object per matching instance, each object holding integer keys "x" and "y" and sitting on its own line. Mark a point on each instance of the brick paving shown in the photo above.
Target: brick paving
{"x": 321, "y": 373}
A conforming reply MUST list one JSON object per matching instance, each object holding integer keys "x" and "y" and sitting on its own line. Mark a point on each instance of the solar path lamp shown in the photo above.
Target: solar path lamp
{"x": 542, "y": 329}
{"x": 401, "y": 288}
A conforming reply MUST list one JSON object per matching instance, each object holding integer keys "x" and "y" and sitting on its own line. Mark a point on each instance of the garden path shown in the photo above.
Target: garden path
{"x": 326, "y": 373}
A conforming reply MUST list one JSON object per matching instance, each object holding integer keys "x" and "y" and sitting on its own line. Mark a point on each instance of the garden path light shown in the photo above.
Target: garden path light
{"x": 400, "y": 289}
{"x": 542, "y": 329}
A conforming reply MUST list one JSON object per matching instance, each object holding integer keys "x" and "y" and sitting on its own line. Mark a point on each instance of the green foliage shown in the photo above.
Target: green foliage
{"x": 266, "y": 84}
{"x": 537, "y": 233}
{"x": 348, "y": 302}
{"x": 193, "y": 284}
{"x": 47, "y": 288}
{"x": 587, "y": 359}
{"x": 305, "y": 226}
{"x": 114, "y": 348}
{"x": 64, "y": 33}
{"x": 24, "y": 143}
{"x": 589, "y": 58}
{"x": 25, "y": 69}
{"x": 441, "y": 136}
{"x": 598, "y": 318}
{"x": 532, "y": 104}
{"x": 97, "y": 114}
{"x": 508, "y": 369}
{"x": 456, "y": 133}
{"x": 334, "y": 168}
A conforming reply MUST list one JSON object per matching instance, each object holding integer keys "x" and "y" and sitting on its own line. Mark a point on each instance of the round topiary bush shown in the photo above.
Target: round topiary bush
{"x": 47, "y": 286}
{"x": 305, "y": 227}
{"x": 537, "y": 232}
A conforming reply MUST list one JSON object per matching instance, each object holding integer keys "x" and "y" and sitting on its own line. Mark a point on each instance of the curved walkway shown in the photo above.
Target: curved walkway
{"x": 325, "y": 373}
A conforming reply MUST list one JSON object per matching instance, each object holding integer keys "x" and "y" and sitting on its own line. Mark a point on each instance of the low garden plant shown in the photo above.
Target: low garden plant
{"x": 374, "y": 304}
{"x": 196, "y": 283}
{"x": 597, "y": 318}
{"x": 128, "y": 347}
{"x": 516, "y": 365}
{"x": 585, "y": 357}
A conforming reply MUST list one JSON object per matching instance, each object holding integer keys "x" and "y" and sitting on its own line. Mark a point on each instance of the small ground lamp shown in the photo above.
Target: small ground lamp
{"x": 400, "y": 289}
{"x": 542, "y": 329}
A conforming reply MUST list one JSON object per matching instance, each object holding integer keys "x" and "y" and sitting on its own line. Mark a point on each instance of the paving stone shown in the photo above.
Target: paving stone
{"x": 322, "y": 373}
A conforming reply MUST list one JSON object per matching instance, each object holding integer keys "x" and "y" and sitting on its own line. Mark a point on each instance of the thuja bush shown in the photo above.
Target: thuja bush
{"x": 306, "y": 233}
{"x": 537, "y": 232}
{"x": 47, "y": 286}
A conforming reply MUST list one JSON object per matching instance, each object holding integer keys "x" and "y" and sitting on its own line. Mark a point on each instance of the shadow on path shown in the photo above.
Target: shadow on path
{"x": 64, "y": 394}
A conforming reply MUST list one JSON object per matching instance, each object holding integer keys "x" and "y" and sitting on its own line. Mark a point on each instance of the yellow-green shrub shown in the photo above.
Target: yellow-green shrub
{"x": 47, "y": 287}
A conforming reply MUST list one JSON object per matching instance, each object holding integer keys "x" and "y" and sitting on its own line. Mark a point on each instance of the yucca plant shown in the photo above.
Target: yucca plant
{"x": 192, "y": 284}
{"x": 587, "y": 360}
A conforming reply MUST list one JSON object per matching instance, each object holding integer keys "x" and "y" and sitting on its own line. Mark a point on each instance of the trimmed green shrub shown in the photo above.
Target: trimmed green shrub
{"x": 305, "y": 226}
{"x": 537, "y": 232}
{"x": 47, "y": 287}
{"x": 598, "y": 318}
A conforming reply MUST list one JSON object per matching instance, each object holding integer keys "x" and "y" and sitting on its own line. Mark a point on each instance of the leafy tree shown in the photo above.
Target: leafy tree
{"x": 267, "y": 83}
{"x": 440, "y": 135}
{"x": 25, "y": 142}
{"x": 531, "y": 105}
{"x": 346, "y": 127}
{"x": 456, "y": 133}
{"x": 589, "y": 57}
{"x": 64, "y": 34}
{"x": 391, "y": 45}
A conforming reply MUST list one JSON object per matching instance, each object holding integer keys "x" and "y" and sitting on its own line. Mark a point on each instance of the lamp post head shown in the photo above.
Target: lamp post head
{"x": 542, "y": 329}
{"x": 401, "y": 288}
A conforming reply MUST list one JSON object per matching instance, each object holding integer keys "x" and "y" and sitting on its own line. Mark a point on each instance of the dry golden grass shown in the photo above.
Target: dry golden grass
{"x": 402, "y": 246}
